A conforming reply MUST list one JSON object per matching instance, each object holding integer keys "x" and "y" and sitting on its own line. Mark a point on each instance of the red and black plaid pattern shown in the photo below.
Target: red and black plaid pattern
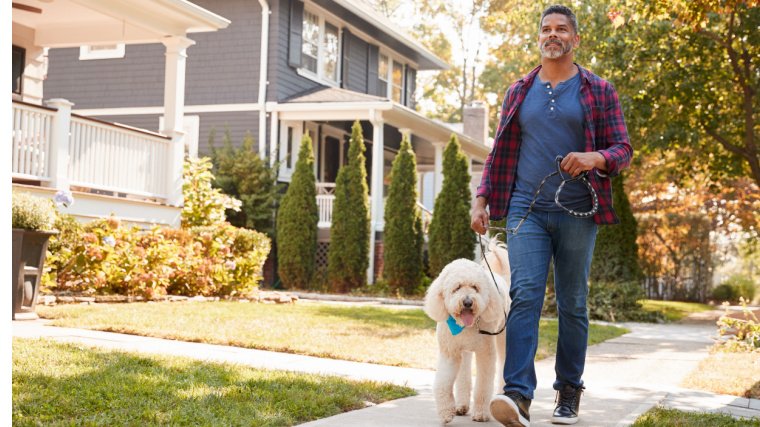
{"x": 605, "y": 133}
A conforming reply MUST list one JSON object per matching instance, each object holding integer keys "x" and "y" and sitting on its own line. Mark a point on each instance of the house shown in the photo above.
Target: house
{"x": 131, "y": 172}
{"x": 282, "y": 68}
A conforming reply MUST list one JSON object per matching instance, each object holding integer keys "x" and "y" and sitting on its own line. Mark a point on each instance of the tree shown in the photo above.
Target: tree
{"x": 402, "y": 261}
{"x": 450, "y": 236}
{"x": 348, "y": 258}
{"x": 297, "y": 220}
{"x": 616, "y": 254}
{"x": 203, "y": 205}
{"x": 243, "y": 174}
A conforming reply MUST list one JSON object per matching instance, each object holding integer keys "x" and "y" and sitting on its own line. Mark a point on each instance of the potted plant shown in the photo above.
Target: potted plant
{"x": 33, "y": 220}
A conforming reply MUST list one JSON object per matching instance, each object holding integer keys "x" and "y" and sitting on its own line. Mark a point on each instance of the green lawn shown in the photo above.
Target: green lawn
{"x": 658, "y": 417}
{"x": 674, "y": 310}
{"x": 57, "y": 384}
{"x": 387, "y": 336}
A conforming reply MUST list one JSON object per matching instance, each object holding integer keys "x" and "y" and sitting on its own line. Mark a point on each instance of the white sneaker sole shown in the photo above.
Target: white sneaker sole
{"x": 557, "y": 420}
{"x": 505, "y": 411}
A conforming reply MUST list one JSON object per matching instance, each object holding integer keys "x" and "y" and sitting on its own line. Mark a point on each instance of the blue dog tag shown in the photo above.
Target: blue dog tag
{"x": 453, "y": 327}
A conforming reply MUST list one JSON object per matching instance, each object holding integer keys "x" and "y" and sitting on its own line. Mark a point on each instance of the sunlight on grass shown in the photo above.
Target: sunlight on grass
{"x": 657, "y": 417}
{"x": 57, "y": 384}
{"x": 674, "y": 310}
{"x": 386, "y": 336}
{"x": 737, "y": 374}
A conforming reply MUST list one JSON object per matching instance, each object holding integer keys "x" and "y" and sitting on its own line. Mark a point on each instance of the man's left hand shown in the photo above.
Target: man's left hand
{"x": 575, "y": 163}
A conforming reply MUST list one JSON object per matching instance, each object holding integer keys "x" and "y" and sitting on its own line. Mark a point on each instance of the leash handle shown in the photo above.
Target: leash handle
{"x": 583, "y": 176}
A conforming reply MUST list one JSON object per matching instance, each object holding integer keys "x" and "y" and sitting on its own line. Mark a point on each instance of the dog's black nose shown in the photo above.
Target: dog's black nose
{"x": 467, "y": 302}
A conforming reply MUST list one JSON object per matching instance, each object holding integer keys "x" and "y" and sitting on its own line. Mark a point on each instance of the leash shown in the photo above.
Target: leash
{"x": 477, "y": 321}
{"x": 583, "y": 176}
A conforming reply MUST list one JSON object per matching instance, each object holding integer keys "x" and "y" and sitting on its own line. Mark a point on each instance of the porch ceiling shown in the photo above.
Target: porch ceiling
{"x": 72, "y": 23}
{"x": 386, "y": 111}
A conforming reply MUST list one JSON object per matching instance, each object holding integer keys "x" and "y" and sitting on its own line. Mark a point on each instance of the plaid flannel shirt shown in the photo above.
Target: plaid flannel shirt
{"x": 605, "y": 132}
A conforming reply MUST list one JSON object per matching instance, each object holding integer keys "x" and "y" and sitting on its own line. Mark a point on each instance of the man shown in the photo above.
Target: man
{"x": 559, "y": 108}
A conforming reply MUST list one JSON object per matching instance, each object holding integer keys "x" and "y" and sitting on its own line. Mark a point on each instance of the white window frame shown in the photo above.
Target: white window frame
{"x": 116, "y": 51}
{"x": 293, "y": 145}
{"x": 319, "y": 75}
{"x": 389, "y": 77}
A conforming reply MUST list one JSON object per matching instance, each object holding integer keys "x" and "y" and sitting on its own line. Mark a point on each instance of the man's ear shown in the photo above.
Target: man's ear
{"x": 576, "y": 40}
{"x": 434, "y": 304}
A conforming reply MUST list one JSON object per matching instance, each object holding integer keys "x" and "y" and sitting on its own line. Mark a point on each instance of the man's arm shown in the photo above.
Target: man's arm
{"x": 479, "y": 215}
{"x": 616, "y": 146}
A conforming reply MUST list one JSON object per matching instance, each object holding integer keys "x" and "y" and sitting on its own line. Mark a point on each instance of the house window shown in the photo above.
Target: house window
{"x": 113, "y": 51}
{"x": 19, "y": 58}
{"x": 310, "y": 47}
{"x": 320, "y": 48}
{"x": 390, "y": 75}
{"x": 382, "y": 74}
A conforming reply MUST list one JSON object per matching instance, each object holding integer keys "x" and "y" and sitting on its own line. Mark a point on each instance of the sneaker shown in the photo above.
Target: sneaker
{"x": 566, "y": 406}
{"x": 511, "y": 409}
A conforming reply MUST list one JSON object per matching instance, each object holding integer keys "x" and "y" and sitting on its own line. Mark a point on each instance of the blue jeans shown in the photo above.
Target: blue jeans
{"x": 544, "y": 236}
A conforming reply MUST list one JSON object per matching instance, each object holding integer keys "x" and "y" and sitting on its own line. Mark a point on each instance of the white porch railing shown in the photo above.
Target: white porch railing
{"x": 63, "y": 149}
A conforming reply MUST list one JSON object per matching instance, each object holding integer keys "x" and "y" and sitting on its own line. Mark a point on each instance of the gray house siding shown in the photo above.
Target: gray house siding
{"x": 222, "y": 67}
{"x": 287, "y": 82}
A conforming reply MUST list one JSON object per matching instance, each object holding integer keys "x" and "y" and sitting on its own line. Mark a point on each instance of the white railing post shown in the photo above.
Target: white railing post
{"x": 58, "y": 155}
{"x": 174, "y": 103}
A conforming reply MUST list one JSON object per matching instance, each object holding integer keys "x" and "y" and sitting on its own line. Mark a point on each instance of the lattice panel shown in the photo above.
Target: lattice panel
{"x": 322, "y": 249}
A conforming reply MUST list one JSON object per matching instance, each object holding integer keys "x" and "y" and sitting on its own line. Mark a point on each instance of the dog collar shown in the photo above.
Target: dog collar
{"x": 453, "y": 326}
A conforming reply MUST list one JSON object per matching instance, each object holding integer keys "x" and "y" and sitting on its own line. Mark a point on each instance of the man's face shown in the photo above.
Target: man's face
{"x": 556, "y": 37}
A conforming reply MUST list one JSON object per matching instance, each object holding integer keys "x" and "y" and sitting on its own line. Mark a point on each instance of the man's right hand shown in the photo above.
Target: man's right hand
{"x": 479, "y": 215}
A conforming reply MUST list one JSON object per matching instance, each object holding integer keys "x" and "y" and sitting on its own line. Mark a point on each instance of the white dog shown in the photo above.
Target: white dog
{"x": 463, "y": 299}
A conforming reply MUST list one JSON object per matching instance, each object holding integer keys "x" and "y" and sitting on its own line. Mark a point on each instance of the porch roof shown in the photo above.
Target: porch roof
{"x": 72, "y": 23}
{"x": 333, "y": 104}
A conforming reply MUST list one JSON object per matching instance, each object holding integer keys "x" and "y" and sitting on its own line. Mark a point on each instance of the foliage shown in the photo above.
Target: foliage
{"x": 618, "y": 302}
{"x": 450, "y": 236}
{"x": 106, "y": 257}
{"x": 745, "y": 332}
{"x": 402, "y": 259}
{"x": 616, "y": 254}
{"x": 659, "y": 416}
{"x": 735, "y": 287}
{"x": 203, "y": 205}
{"x": 297, "y": 220}
{"x": 674, "y": 310}
{"x": 32, "y": 212}
{"x": 243, "y": 174}
{"x": 92, "y": 386}
{"x": 348, "y": 258}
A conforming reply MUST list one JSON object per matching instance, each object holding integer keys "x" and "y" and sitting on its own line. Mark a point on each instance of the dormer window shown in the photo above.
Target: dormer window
{"x": 320, "y": 47}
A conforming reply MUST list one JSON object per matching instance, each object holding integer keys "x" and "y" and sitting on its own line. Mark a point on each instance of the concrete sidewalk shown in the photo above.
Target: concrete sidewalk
{"x": 624, "y": 376}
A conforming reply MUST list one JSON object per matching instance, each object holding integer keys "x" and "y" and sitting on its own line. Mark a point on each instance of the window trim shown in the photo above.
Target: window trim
{"x": 319, "y": 77}
{"x": 116, "y": 52}
{"x": 392, "y": 59}
{"x": 292, "y": 146}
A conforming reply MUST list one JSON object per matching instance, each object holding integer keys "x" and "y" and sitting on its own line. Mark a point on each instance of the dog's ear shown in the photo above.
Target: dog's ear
{"x": 434, "y": 305}
{"x": 497, "y": 300}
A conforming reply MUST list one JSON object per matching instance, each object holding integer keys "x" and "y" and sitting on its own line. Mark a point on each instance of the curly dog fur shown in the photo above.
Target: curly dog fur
{"x": 466, "y": 291}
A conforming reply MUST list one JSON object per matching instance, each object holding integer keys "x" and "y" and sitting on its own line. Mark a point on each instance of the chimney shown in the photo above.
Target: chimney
{"x": 476, "y": 121}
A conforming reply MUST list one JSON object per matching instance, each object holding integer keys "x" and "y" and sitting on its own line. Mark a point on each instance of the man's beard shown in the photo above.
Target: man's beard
{"x": 552, "y": 54}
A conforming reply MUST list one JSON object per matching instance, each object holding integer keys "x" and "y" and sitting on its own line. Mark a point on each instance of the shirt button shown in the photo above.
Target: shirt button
{"x": 548, "y": 86}
{"x": 552, "y": 100}
{"x": 550, "y": 92}
{"x": 552, "y": 108}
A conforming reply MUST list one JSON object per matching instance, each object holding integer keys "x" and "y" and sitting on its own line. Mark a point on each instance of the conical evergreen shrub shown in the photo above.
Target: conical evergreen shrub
{"x": 402, "y": 261}
{"x": 450, "y": 236}
{"x": 616, "y": 254}
{"x": 348, "y": 258}
{"x": 297, "y": 220}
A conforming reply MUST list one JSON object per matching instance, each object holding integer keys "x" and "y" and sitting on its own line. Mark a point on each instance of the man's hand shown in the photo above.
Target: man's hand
{"x": 575, "y": 163}
{"x": 479, "y": 215}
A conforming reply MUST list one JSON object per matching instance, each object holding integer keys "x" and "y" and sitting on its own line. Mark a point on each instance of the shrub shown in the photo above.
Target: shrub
{"x": 203, "y": 205}
{"x": 745, "y": 333}
{"x": 618, "y": 302}
{"x": 297, "y": 220}
{"x": 348, "y": 258}
{"x": 32, "y": 212}
{"x": 450, "y": 236}
{"x": 734, "y": 288}
{"x": 402, "y": 260}
{"x": 243, "y": 174}
{"x": 616, "y": 253}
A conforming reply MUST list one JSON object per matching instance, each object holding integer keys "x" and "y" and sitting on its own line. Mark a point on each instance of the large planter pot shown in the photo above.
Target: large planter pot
{"x": 29, "y": 251}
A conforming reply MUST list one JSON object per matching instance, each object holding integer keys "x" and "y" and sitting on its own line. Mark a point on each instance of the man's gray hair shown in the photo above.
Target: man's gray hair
{"x": 562, "y": 10}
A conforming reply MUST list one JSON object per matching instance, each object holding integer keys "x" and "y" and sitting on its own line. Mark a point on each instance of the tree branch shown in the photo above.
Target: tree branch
{"x": 722, "y": 141}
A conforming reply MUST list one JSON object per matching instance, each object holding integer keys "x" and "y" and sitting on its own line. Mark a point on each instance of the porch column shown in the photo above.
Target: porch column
{"x": 58, "y": 162}
{"x": 439, "y": 146}
{"x": 376, "y": 182}
{"x": 174, "y": 111}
